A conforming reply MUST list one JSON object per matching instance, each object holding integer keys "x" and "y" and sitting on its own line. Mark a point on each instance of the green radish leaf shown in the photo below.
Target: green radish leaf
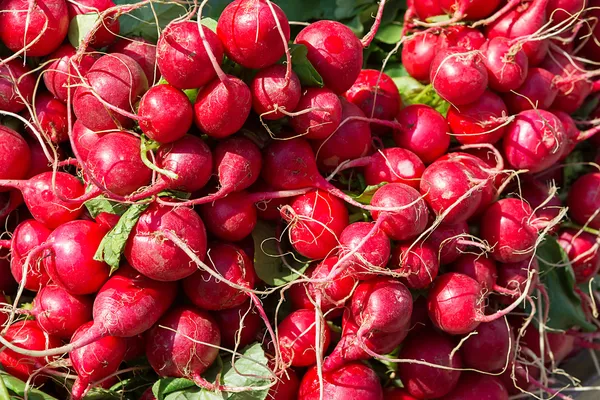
{"x": 251, "y": 371}
{"x": 143, "y": 21}
{"x": 166, "y": 386}
{"x": 80, "y": 26}
{"x": 414, "y": 92}
{"x": 308, "y": 9}
{"x": 101, "y": 204}
{"x": 389, "y": 34}
{"x": 367, "y": 195}
{"x": 17, "y": 387}
{"x": 307, "y": 74}
{"x": 210, "y": 24}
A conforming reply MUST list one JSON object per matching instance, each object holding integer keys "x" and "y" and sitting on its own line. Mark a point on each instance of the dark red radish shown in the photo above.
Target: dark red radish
{"x": 469, "y": 9}
{"x": 519, "y": 376}
{"x": 190, "y": 159}
{"x": 480, "y": 122}
{"x": 237, "y": 162}
{"x": 396, "y": 394}
{"x": 253, "y": 34}
{"x": 9, "y": 201}
{"x": 423, "y": 381}
{"x": 491, "y": 348}
{"x": 238, "y": 325}
{"x": 60, "y": 313}
{"x": 462, "y": 36}
{"x": 427, "y": 8}
{"x": 40, "y": 33}
{"x": 316, "y": 220}
{"x": 478, "y": 267}
{"x": 334, "y": 51}
{"x": 589, "y": 49}
{"x": 534, "y": 140}
{"x": 418, "y": 52}
{"x": 538, "y": 91}
{"x": 28, "y": 335}
{"x": 119, "y": 81}
{"x": 136, "y": 347}
{"x": 570, "y": 81}
{"x": 474, "y": 386}
{"x": 297, "y": 338}
{"x": 563, "y": 10}
{"x": 231, "y": 218}
{"x": 269, "y": 210}
{"x": 39, "y": 161}
{"x": 108, "y": 28}
{"x": 183, "y": 344}
{"x": 458, "y": 76}
{"x": 286, "y": 387}
{"x": 166, "y": 113}
{"x": 50, "y": 118}
{"x": 83, "y": 140}
{"x": 367, "y": 258}
{"x": 354, "y": 380}
{"x": 506, "y": 63}
{"x": 15, "y": 155}
{"x": 573, "y": 135}
{"x": 514, "y": 277}
{"x": 95, "y": 361}
{"x": 28, "y": 235}
{"x": 142, "y": 51}
{"x": 418, "y": 264}
{"x": 7, "y": 283}
{"x": 4, "y": 300}
{"x": 537, "y": 193}
{"x": 319, "y": 114}
{"x": 148, "y": 394}
{"x": 584, "y": 200}
{"x": 446, "y": 239}
{"x": 182, "y": 58}
{"x": 582, "y": 250}
{"x": 272, "y": 92}
{"x": 557, "y": 346}
{"x": 15, "y": 75}
{"x": 63, "y": 73}
{"x": 424, "y": 133}
{"x": 394, "y": 165}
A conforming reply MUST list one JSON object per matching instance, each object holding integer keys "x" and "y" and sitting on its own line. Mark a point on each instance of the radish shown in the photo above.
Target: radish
{"x": 571, "y": 81}
{"x": 535, "y": 194}
{"x": 394, "y": 165}
{"x": 27, "y": 236}
{"x": 418, "y": 52}
{"x": 514, "y": 277}
{"x": 573, "y": 135}
{"x": 461, "y": 36}
{"x": 254, "y": 33}
{"x": 173, "y": 347}
{"x": 563, "y": 10}
{"x": 15, "y": 155}
{"x": 142, "y": 51}
{"x": 50, "y": 117}
{"x": 15, "y": 75}
{"x": 538, "y": 91}
{"x": 418, "y": 264}
{"x": 584, "y": 200}
{"x": 491, "y": 348}
{"x": 396, "y": 394}
{"x": 473, "y": 386}
{"x": 109, "y": 27}
{"x": 166, "y": 113}
{"x": 232, "y": 218}
{"x": 424, "y": 132}
{"x": 118, "y": 81}
{"x": 316, "y": 220}
{"x": 423, "y": 381}
{"x": 297, "y": 341}
{"x": 534, "y": 140}
{"x": 426, "y": 9}
{"x": 478, "y": 267}
{"x": 556, "y": 346}
{"x": 353, "y": 380}
{"x": 272, "y": 92}
{"x": 582, "y": 250}
{"x": 83, "y": 140}
{"x": 519, "y": 376}
{"x": 181, "y": 55}
{"x": 40, "y": 32}
{"x": 458, "y": 76}
{"x": 480, "y": 122}
{"x": 469, "y": 9}
{"x": 60, "y": 313}
{"x": 39, "y": 161}
{"x": 371, "y": 256}
{"x": 64, "y": 71}
{"x": 445, "y": 238}
{"x": 95, "y": 361}
{"x": 286, "y": 387}
{"x": 238, "y": 325}
{"x": 321, "y": 114}
{"x": 7, "y": 283}
{"x": 507, "y": 64}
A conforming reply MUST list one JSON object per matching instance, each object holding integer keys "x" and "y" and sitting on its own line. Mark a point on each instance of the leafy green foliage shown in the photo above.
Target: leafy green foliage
{"x": 143, "y": 21}
{"x": 307, "y": 74}
{"x": 101, "y": 204}
{"x": 367, "y": 195}
{"x": 414, "y": 92}
{"x": 80, "y": 26}
{"x": 16, "y": 388}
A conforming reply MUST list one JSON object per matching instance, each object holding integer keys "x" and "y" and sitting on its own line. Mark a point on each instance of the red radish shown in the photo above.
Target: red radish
{"x": 166, "y": 113}
{"x": 536, "y": 193}
{"x": 231, "y": 325}
{"x": 474, "y": 386}
{"x": 394, "y": 165}
{"x": 250, "y": 32}
{"x": 15, "y": 155}
{"x": 478, "y": 267}
{"x": 352, "y": 380}
{"x": 507, "y": 64}
{"x": 316, "y": 220}
{"x": 557, "y": 346}
{"x": 27, "y": 335}
{"x": 589, "y": 48}
{"x": 297, "y": 340}
{"x": 107, "y": 220}
{"x": 582, "y": 251}
{"x": 9, "y": 202}
{"x": 534, "y": 140}
{"x": 514, "y": 277}
{"x": 109, "y": 28}
{"x": 519, "y": 376}
{"x": 142, "y": 51}
{"x": 573, "y": 135}
{"x": 490, "y": 349}
{"x": 372, "y": 255}
{"x": 28, "y": 235}
{"x": 445, "y": 238}
{"x": 571, "y": 81}
{"x": 39, "y": 161}
{"x": 458, "y": 76}
{"x": 3, "y": 314}
{"x": 424, "y": 132}
{"x": 271, "y": 92}
{"x": 269, "y": 210}
{"x": 15, "y": 75}
{"x": 60, "y": 313}
{"x": 64, "y": 71}
{"x": 538, "y": 91}
{"x": 419, "y": 264}
{"x": 119, "y": 81}
{"x": 232, "y": 218}
{"x": 563, "y": 10}
{"x": 181, "y": 55}
{"x": 173, "y": 347}
{"x": 95, "y": 361}
{"x": 479, "y": 122}
{"x": 51, "y": 117}
{"x": 469, "y": 9}
{"x": 237, "y": 162}
{"x": 396, "y": 394}
{"x": 148, "y": 394}
{"x": 190, "y": 159}
{"x": 584, "y": 200}
{"x": 423, "y": 381}
{"x": 40, "y": 33}
{"x": 324, "y": 116}
{"x": 418, "y": 52}
{"x": 461, "y": 36}
{"x": 286, "y": 387}
{"x": 7, "y": 283}
{"x": 83, "y": 140}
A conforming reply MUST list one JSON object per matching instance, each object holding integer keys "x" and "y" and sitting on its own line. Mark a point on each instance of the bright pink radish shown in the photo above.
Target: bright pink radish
{"x": 63, "y": 73}
{"x": 474, "y": 386}
{"x": 537, "y": 91}
{"x": 478, "y": 267}
{"x": 316, "y": 220}
{"x": 322, "y": 116}
{"x": 423, "y": 381}
{"x": 514, "y": 277}
{"x": 25, "y": 83}
{"x": 119, "y": 81}
{"x": 297, "y": 341}
{"x": 142, "y": 51}
{"x": 369, "y": 257}
{"x": 50, "y": 117}
{"x": 171, "y": 353}
{"x": 571, "y": 131}
{"x": 40, "y": 33}
{"x": 249, "y": 31}
{"x": 427, "y": 8}
{"x": 490, "y": 349}
{"x": 480, "y": 122}
{"x": 15, "y": 155}
{"x": 271, "y": 90}
{"x": 334, "y": 51}
{"x": 231, "y": 218}
{"x": 536, "y": 193}
{"x": 469, "y": 9}
{"x": 95, "y": 361}
{"x": 584, "y": 200}
{"x": 396, "y": 394}
{"x": 107, "y": 31}
{"x": 418, "y": 52}
{"x": 354, "y": 380}
{"x": 461, "y": 36}
{"x": 83, "y": 140}
{"x": 571, "y": 82}
{"x": 286, "y": 387}
{"x": 166, "y": 113}
{"x": 403, "y": 224}
{"x": 27, "y": 236}
{"x": 507, "y": 64}
{"x": 231, "y": 325}
{"x": 583, "y": 253}
{"x": 182, "y": 58}
{"x": 394, "y": 165}
{"x": 534, "y": 140}
{"x": 446, "y": 239}
{"x": 190, "y": 159}
{"x": 419, "y": 264}
{"x": 60, "y": 313}
{"x": 458, "y": 76}
{"x": 424, "y": 132}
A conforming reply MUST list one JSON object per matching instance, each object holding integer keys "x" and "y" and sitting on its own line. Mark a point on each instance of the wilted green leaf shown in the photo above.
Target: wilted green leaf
{"x": 414, "y": 92}
{"x": 307, "y": 74}
{"x": 101, "y": 204}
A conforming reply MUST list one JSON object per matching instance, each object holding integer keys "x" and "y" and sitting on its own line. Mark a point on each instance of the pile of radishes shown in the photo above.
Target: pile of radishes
{"x": 246, "y": 206}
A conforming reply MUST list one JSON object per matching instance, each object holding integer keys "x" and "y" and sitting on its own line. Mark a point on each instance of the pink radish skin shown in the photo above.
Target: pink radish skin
{"x": 418, "y": 263}
{"x": 537, "y": 91}
{"x": 571, "y": 82}
{"x": 325, "y": 115}
{"x": 9, "y": 99}
{"x": 60, "y": 74}
{"x": 571, "y": 131}
{"x": 417, "y": 54}
{"x": 478, "y": 267}
{"x": 142, "y": 51}
{"x": 237, "y": 162}
{"x": 423, "y": 381}
{"x": 190, "y": 159}
{"x": 230, "y": 323}
{"x": 372, "y": 255}
{"x": 15, "y": 155}
{"x": 83, "y": 140}
{"x": 584, "y": 200}
{"x": 51, "y": 117}
{"x": 352, "y": 380}
{"x": 470, "y": 9}
{"x": 107, "y": 32}
{"x": 445, "y": 238}
{"x": 269, "y": 88}
{"x": 27, "y": 236}
{"x": 166, "y": 114}
{"x": 286, "y": 387}
{"x": 424, "y": 132}
{"x": 96, "y": 360}
{"x": 47, "y": 19}
{"x": 490, "y": 348}
{"x": 297, "y": 338}
{"x": 582, "y": 252}
{"x": 473, "y": 386}
{"x": 394, "y": 165}
{"x": 182, "y": 58}
{"x": 461, "y": 36}
{"x": 59, "y": 313}
{"x": 507, "y": 65}
{"x": 231, "y": 218}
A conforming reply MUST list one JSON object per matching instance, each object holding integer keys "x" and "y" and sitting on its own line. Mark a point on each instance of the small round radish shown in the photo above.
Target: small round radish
{"x": 480, "y": 122}
{"x": 563, "y": 10}
{"x": 536, "y": 193}
{"x": 25, "y": 83}
{"x": 461, "y": 36}
{"x": 26, "y": 237}
{"x": 231, "y": 218}
{"x": 490, "y": 349}
{"x": 394, "y": 165}
{"x": 60, "y": 313}
{"x": 470, "y": 9}
{"x": 354, "y": 380}
{"x": 297, "y": 338}
{"x": 324, "y": 116}
{"x": 507, "y": 64}
{"x": 514, "y": 277}
{"x": 15, "y": 155}
{"x": 231, "y": 325}
{"x": 537, "y": 91}
{"x": 286, "y": 387}
{"x": 474, "y": 386}
{"x": 107, "y": 31}
{"x": 142, "y": 51}
{"x": 417, "y": 54}
{"x": 190, "y": 159}
{"x": 83, "y": 140}
{"x": 270, "y": 89}
{"x": 424, "y": 132}
{"x": 372, "y": 255}
{"x": 396, "y": 394}
{"x": 517, "y": 377}
{"x": 571, "y": 82}
{"x": 237, "y": 162}
{"x": 51, "y": 117}
{"x": 419, "y": 264}
{"x": 558, "y": 344}
{"x": 445, "y": 239}
{"x": 182, "y": 58}
{"x": 166, "y": 113}
{"x": 582, "y": 251}
{"x": 571, "y": 131}
{"x": 584, "y": 200}
{"x": 478, "y": 267}
{"x": 64, "y": 71}
{"x": 7, "y": 283}
{"x": 427, "y": 8}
